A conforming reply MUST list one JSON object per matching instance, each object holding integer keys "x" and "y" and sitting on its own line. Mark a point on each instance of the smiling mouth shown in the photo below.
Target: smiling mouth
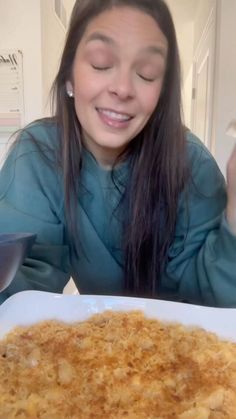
{"x": 114, "y": 116}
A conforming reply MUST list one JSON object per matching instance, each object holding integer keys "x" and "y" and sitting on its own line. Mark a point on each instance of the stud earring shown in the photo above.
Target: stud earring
{"x": 70, "y": 93}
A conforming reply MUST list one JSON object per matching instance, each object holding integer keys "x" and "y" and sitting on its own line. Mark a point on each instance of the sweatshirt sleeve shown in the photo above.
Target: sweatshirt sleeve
{"x": 31, "y": 201}
{"x": 202, "y": 258}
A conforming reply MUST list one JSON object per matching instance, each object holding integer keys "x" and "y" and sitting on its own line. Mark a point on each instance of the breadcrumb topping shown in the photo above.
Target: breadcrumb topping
{"x": 116, "y": 365}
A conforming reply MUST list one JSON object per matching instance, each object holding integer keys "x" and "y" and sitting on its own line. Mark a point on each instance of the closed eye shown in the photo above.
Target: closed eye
{"x": 146, "y": 78}
{"x": 100, "y": 68}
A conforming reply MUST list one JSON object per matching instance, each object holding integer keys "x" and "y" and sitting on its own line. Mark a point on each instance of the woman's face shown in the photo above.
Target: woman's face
{"x": 117, "y": 77}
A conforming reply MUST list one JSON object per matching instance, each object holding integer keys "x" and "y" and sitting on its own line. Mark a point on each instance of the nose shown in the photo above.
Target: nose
{"x": 122, "y": 84}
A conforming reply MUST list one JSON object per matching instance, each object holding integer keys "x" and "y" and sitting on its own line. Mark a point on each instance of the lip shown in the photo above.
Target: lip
{"x": 113, "y": 118}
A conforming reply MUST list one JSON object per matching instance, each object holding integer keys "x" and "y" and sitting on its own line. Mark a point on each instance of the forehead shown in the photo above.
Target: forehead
{"x": 126, "y": 26}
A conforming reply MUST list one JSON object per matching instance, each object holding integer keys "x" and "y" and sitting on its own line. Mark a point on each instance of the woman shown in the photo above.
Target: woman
{"x": 122, "y": 197}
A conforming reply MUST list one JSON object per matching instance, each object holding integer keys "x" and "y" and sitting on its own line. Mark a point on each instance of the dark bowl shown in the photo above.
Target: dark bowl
{"x": 14, "y": 248}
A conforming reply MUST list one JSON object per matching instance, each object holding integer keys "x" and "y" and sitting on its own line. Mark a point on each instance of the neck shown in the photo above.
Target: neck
{"x": 105, "y": 156}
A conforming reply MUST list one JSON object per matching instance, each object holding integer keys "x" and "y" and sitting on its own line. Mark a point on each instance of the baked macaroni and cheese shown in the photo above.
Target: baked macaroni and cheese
{"x": 116, "y": 365}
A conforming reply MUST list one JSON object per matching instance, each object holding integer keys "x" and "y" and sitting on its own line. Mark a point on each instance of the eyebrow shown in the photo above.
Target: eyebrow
{"x": 98, "y": 36}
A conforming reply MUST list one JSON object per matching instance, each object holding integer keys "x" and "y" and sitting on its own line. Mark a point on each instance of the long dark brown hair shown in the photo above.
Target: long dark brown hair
{"x": 157, "y": 155}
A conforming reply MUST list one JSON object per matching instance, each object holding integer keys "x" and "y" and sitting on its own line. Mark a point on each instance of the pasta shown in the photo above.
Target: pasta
{"x": 116, "y": 365}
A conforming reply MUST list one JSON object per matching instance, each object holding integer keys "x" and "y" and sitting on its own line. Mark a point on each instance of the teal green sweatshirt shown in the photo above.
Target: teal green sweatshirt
{"x": 201, "y": 264}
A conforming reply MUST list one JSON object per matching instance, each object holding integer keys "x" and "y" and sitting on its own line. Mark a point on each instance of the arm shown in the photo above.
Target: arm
{"x": 31, "y": 201}
{"x": 202, "y": 260}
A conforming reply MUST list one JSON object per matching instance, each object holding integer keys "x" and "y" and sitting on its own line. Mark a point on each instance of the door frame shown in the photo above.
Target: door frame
{"x": 211, "y": 24}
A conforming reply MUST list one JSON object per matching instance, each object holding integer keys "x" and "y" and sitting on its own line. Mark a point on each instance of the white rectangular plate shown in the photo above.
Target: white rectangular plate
{"x": 29, "y": 307}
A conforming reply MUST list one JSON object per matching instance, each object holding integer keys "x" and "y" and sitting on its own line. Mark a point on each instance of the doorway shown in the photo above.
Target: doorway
{"x": 203, "y": 83}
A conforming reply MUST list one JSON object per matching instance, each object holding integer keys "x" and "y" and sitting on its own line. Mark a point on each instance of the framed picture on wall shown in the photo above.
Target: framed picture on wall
{"x": 11, "y": 91}
{"x": 11, "y": 95}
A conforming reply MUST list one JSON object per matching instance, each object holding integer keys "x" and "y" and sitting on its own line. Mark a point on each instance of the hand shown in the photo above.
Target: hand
{"x": 231, "y": 192}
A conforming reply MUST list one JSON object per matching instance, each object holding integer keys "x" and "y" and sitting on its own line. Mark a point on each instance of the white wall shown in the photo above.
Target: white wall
{"x": 186, "y": 56}
{"x": 225, "y": 108}
{"x": 69, "y": 6}
{"x": 225, "y": 72}
{"x": 183, "y": 13}
{"x": 32, "y": 27}
{"x": 187, "y": 96}
{"x": 203, "y": 10}
{"x": 52, "y": 36}
{"x": 20, "y": 29}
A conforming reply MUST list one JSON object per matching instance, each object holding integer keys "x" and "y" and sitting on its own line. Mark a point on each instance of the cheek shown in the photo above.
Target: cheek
{"x": 86, "y": 87}
{"x": 81, "y": 92}
{"x": 150, "y": 99}
{"x": 83, "y": 97}
{"x": 150, "y": 103}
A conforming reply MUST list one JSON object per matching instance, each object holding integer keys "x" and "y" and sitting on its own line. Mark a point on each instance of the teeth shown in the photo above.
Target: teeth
{"x": 114, "y": 115}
